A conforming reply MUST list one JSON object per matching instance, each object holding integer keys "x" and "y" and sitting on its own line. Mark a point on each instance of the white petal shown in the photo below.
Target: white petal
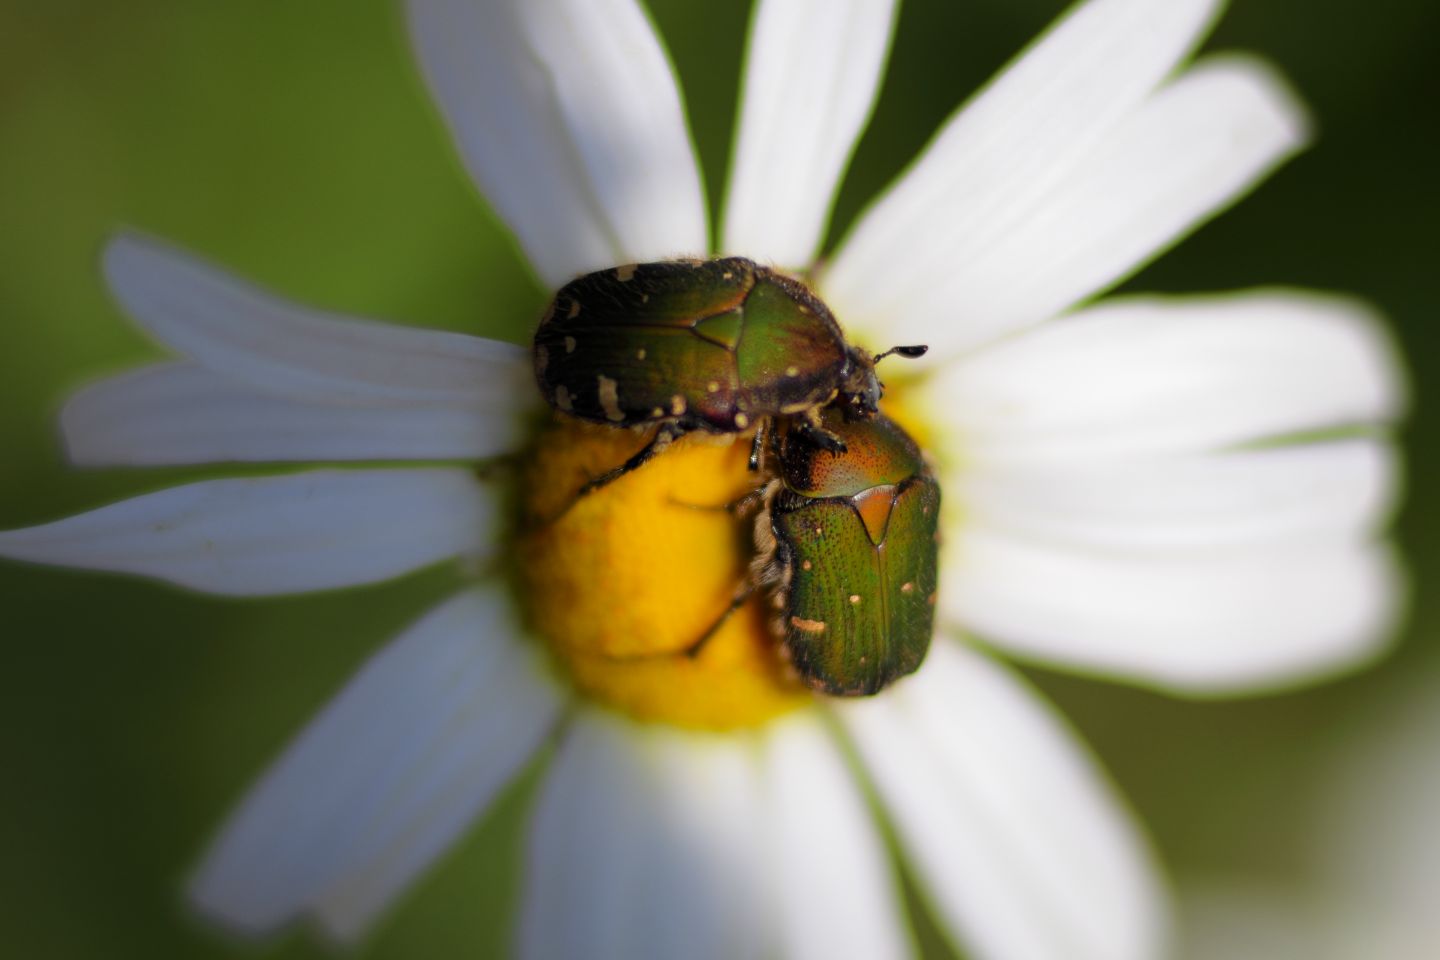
{"x": 181, "y": 413}
{"x": 1016, "y": 841}
{"x": 1319, "y": 493}
{"x": 999, "y": 154}
{"x": 644, "y": 845}
{"x": 254, "y": 337}
{"x": 837, "y": 894}
{"x": 387, "y": 777}
{"x": 1215, "y": 620}
{"x": 1141, "y": 376}
{"x": 1179, "y": 158}
{"x": 811, "y": 75}
{"x": 567, "y": 116}
{"x": 273, "y": 535}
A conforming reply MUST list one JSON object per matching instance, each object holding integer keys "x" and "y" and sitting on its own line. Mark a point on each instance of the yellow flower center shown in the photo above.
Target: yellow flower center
{"x": 624, "y": 582}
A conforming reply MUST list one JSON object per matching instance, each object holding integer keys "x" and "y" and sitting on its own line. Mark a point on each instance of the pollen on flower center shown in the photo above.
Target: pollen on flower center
{"x": 622, "y": 583}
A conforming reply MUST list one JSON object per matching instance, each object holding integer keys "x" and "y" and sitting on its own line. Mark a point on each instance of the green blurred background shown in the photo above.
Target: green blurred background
{"x": 292, "y": 142}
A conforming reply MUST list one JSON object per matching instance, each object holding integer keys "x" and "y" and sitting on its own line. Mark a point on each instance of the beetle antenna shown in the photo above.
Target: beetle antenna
{"x": 909, "y": 353}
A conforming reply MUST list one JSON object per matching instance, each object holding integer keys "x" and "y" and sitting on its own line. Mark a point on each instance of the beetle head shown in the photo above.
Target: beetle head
{"x": 861, "y": 390}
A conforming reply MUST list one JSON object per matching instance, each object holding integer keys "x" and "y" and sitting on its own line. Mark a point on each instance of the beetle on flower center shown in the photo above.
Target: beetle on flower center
{"x": 847, "y": 546}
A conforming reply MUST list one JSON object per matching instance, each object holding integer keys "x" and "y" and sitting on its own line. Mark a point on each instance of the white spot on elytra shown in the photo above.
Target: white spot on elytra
{"x": 610, "y": 398}
{"x": 792, "y": 371}
{"x": 640, "y": 354}
{"x": 741, "y": 421}
{"x": 562, "y": 399}
{"x": 569, "y": 344}
{"x": 907, "y": 587}
{"x": 574, "y": 310}
{"x": 713, "y": 386}
{"x": 625, "y": 272}
{"x": 677, "y": 405}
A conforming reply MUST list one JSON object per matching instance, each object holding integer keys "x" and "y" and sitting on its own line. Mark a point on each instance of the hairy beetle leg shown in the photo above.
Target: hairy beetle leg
{"x": 743, "y": 505}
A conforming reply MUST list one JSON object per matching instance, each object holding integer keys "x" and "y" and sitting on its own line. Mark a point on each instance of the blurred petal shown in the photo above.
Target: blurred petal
{"x": 255, "y": 338}
{"x": 1202, "y": 621}
{"x": 1143, "y": 376}
{"x": 644, "y": 845}
{"x": 387, "y": 777}
{"x": 1015, "y": 838}
{"x": 1372, "y": 853}
{"x": 274, "y": 535}
{"x": 568, "y": 118}
{"x": 837, "y": 893}
{"x": 1319, "y": 493}
{"x": 181, "y": 413}
{"x": 1373, "y": 839}
{"x": 1254, "y": 920}
{"x": 993, "y": 161}
{"x": 961, "y": 279}
{"x": 811, "y": 76}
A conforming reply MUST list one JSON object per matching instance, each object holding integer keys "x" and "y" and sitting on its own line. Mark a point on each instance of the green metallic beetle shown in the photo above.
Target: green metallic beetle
{"x": 848, "y": 546}
{"x": 715, "y": 345}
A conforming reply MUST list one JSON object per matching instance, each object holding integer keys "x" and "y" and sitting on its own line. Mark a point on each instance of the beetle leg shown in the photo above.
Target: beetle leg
{"x": 743, "y": 505}
{"x": 809, "y": 424}
{"x": 664, "y": 436}
{"x": 742, "y": 593}
{"x": 757, "y": 446}
{"x": 738, "y": 507}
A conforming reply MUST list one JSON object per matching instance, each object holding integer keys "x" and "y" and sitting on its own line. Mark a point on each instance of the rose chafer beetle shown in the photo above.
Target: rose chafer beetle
{"x": 715, "y": 345}
{"x": 848, "y": 546}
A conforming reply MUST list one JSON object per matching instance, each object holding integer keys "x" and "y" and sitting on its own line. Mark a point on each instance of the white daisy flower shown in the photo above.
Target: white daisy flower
{"x": 1116, "y": 500}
